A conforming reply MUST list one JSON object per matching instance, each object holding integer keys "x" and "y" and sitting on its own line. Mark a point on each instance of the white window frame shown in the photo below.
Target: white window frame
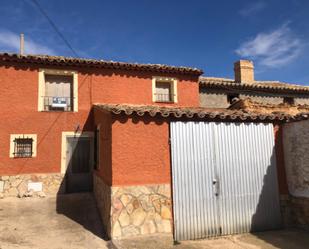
{"x": 12, "y": 143}
{"x": 64, "y": 136}
{"x": 41, "y": 87}
{"x": 168, "y": 80}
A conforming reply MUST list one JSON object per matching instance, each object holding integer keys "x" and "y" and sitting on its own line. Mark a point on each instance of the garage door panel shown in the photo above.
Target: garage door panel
{"x": 239, "y": 157}
{"x": 191, "y": 178}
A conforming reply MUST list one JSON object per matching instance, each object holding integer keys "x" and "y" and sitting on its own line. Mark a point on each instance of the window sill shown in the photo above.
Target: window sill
{"x": 22, "y": 157}
{"x": 57, "y": 111}
{"x": 165, "y": 102}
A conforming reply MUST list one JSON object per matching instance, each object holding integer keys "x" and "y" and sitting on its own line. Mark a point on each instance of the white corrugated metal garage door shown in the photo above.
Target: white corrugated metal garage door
{"x": 224, "y": 179}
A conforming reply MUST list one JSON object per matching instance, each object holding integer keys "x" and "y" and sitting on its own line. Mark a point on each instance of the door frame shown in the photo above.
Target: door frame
{"x": 64, "y": 136}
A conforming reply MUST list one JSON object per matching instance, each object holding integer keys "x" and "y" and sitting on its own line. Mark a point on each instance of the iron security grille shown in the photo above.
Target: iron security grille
{"x": 23, "y": 147}
{"x": 54, "y": 103}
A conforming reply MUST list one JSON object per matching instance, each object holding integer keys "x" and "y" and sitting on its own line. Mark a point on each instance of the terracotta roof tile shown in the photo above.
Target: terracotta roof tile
{"x": 81, "y": 62}
{"x": 264, "y": 86}
{"x": 197, "y": 112}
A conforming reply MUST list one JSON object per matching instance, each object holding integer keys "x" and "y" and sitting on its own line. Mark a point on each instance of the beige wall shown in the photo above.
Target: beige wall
{"x": 302, "y": 101}
{"x": 263, "y": 98}
{"x": 213, "y": 100}
{"x": 296, "y": 155}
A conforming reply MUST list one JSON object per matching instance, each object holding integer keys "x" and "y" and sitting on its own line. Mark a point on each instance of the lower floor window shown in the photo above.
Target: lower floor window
{"x": 23, "y": 145}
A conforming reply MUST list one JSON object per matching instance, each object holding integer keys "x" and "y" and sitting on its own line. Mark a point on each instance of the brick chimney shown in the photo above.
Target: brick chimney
{"x": 244, "y": 71}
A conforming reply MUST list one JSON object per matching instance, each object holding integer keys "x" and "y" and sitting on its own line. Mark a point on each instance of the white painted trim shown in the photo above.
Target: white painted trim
{"x": 34, "y": 143}
{"x": 172, "y": 81}
{"x": 64, "y": 136}
{"x": 41, "y": 85}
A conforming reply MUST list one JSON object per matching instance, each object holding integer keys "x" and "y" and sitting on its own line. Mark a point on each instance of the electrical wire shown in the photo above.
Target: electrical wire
{"x": 54, "y": 26}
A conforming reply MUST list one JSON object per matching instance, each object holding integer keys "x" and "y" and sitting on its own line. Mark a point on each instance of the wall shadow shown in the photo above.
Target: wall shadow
{"x": 79, "y": 205}
{"x": 268, "y": 222}
{"x": 267, "y": 215}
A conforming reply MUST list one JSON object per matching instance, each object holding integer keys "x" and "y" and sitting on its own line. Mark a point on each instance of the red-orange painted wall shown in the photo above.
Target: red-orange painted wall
{"x": 133, "y": 150}
{"x": 140, "y": 151}
{"x": 104, "y": 169}
{"x": 19, "y": 105}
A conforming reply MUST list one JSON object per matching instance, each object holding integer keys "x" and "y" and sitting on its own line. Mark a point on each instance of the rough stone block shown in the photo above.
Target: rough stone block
{"x": 1, "y": 186}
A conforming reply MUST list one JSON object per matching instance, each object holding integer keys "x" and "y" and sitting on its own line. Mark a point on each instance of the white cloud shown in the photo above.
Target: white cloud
{"x": 10, "y": 42}
{"x": 252, "y": 8}
{"x": 273, "y": 49}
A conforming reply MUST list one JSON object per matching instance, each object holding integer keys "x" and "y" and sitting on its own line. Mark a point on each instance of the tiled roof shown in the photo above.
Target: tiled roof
{"x": 197, "y": 112}
{"x": 260, "y": 86}
{"x": 81, "y": 62}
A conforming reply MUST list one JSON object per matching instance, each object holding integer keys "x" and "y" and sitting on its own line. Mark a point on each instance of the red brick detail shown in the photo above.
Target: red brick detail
{"x": 282, "y": 180}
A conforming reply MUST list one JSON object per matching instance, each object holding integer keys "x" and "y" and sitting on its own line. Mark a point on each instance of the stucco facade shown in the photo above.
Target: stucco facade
{"x": 133, "y": 154}
{"x": 19, "y": 109}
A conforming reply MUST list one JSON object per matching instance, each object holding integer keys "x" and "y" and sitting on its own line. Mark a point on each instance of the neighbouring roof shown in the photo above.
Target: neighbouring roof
{"x": 197, "y": 112}
{"x": 266, "y": 108}
{"x": 260, "y": 86}
{"x": 81, "y": 62}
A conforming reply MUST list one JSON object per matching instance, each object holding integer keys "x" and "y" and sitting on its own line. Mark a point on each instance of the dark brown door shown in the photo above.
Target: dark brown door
{"x": 79, "y": 164}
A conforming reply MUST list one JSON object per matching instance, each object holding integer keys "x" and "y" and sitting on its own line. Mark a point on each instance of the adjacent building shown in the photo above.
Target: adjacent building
{"x": 220, "y": 92}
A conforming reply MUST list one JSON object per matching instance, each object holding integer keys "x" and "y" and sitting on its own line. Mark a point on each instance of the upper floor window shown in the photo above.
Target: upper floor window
{"x": 57, "y": 90}
{"x": 23, "y": 145}
{"x": 289, "y": 100}
{"x": 164, "y": 90}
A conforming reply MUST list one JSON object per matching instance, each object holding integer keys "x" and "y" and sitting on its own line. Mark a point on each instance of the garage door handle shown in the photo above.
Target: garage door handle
{"x": 215, "y": 182}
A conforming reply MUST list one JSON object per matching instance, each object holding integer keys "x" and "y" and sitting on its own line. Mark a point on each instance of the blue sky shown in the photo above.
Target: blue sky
{"x": 210, "y": 35}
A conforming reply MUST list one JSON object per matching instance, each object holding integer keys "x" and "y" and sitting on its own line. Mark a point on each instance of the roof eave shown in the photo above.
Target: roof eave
{"x": 69, "y": 61}
{"x": 244, "y": 87}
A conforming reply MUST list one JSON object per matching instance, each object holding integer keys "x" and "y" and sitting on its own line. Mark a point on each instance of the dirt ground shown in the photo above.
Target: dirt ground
{"x": 69, "y": 221}
{"x": 72, "y": 221}
{"x": 284, "y": 239}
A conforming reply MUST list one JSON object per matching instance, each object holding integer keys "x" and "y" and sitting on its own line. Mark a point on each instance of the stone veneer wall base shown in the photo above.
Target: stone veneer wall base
{"x": 102, "y": 194}
{"x": 134, "y": 210}
{"x": 17, "y": 185}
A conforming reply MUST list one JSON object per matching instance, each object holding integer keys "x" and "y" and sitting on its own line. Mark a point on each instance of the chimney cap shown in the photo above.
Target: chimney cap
{"x": 244, "y": 63}
{"x": 244, "y": 71}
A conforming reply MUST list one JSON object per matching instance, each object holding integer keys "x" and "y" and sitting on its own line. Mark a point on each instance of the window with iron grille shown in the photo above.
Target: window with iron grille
{"x": 23, "y": 147}
{"x": 163, "y": 92}
{"x": 58, "y": 92}
{"x": 164, "y": 89}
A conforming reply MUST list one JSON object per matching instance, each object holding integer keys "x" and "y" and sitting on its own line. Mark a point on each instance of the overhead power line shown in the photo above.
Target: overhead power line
{"x": 54, "y": 26}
